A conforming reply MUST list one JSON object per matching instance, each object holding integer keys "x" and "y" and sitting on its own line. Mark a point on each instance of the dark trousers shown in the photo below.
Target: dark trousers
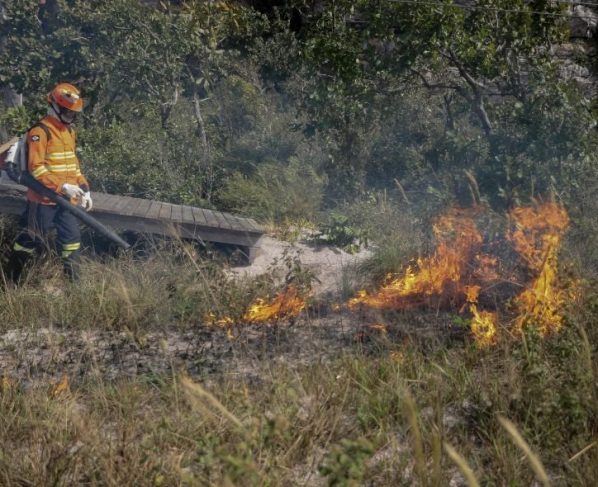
{"x": 36, "y": 223}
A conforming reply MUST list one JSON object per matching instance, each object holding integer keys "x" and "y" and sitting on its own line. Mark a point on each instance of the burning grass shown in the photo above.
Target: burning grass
{"x": 537, "y": 236}
{"x": 181, "y": 288}
{"x": 456, "y": 273}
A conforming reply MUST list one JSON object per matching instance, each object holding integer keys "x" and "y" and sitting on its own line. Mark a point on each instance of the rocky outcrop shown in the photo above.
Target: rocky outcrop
{"x": 578, "y": 56}
{"x": 583, "y": 23}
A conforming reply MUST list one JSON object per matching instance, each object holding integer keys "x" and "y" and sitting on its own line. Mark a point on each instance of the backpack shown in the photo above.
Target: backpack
{"x": 13, "y": 155}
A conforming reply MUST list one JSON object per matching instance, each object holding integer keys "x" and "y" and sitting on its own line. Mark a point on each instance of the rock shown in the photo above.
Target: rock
{"x": 583, "y": 22}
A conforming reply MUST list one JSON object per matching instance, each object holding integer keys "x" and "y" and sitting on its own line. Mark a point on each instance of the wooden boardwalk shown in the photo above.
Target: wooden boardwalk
{"x": 156, "y": 218}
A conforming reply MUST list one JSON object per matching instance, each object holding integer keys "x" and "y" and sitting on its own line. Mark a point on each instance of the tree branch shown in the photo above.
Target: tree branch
{"x": 431, "y": 86}
{"x": 477, "y": 88}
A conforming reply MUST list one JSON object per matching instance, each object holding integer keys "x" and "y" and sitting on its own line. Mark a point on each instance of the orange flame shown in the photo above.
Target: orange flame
{"x": 537, "y": 237}
{"x": 458, "y": 241}
{"x": 287, "y": 304}
{"x": 455, "y": 271}
{"x": 457, "y": 262}
{"x": 213, "y": 320}
{"x": 483, "y": 327}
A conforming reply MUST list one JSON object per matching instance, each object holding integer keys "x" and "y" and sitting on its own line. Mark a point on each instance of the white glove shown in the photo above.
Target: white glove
{"x": 72, "y": 191}
{"x": 86, "y": 202}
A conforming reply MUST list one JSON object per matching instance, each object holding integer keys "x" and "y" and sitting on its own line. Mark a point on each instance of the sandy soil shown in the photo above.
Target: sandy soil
{"x": 329, "y": 264}
{"x": 318, "y": 335}
{"x": 315, "y": 337}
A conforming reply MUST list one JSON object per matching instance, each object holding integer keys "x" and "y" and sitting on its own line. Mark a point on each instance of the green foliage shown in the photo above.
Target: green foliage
{"x": 275, "y": 192}
{"x": 344, "y": 465}
{"x": 186, "y": 100}
{"x": 340, "y": 233}
{"x": 147, "y": 161}
{"x": 16, "y": 120}
{"x": 556, "y": 402}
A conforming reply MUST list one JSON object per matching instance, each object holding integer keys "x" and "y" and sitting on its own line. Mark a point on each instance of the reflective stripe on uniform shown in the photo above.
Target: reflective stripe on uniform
{"x": 60, "y": 155}
{"x": 19, "y": 248}
{"x": 39, "y": 171}
{"x": 71, "y": 246}
{"x": 62, "y": 167}
{"x": 68, "y": 249}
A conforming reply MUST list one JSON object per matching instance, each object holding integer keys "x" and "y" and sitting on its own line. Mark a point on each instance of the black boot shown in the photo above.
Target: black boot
{"x": 71, "y": 267}
{"x": 16, "y": 265}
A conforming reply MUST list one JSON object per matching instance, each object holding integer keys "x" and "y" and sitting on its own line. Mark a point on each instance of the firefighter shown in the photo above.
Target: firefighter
{"x": 52, "y": 160}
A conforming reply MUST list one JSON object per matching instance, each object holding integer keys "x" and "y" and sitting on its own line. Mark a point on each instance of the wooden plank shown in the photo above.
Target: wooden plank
{"x": 188, "y": 214}
{"x": 109, "y": 204}
{"x": 177, "y": 213}
{"x": 121, "y": 206}
{"x": 135, "y": 204}
{"x": 165, "y": 211}
{"x": 210, "y": 218}
{"x": 212, "y": 234}
{"x": 99, "y": 198}
{"x": 199, "y": 217}
{"x": 106, "y": 199}
{"x": 154, "y": 210}
{"x": 256, "y": 227}
{"x": 222, "y": 223}
{"x": 144, "y": 205}
{"x": 232, "y": 223}
{"x": 243, "y": 224}
{"x": 239, "y": 222}
{"x": 155, "y": 217}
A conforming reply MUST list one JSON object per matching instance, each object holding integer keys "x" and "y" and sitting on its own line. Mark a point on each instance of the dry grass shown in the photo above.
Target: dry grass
{"x": 374, "y": 416}
{"x": 173, "y": 287}
{"x": 361, "y": 418}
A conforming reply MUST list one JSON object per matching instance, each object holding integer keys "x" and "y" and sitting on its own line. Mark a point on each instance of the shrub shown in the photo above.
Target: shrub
{"x": 275, "y": 192}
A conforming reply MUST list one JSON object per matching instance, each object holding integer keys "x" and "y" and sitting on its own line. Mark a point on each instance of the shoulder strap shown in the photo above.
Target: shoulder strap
{"x": 44, "y": 127}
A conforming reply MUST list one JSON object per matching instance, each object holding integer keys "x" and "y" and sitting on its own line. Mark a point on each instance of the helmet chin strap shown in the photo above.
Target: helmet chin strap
{"x": 58, "y": 114}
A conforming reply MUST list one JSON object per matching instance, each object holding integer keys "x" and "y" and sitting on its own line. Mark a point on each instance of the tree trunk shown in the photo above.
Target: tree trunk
{"x": 201, "y": 128}
{"x": 206, "y": 160}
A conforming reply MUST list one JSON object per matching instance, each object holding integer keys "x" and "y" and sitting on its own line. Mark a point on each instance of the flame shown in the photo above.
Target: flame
{"x": 60, "y": 388}
{"x": 458, "y": 242}
{"x": 378, "y": 327}
{"x": 287, "y": 304}
{"x": 537, "y": 237}
{"x": 456, "y": 272}
{"x": 483, "y": 327}
{"x": 397, "y": 356}
{"x": 483, "y": 323}
{"x": 457, "y": 263}
{"x": 224, "y": 322}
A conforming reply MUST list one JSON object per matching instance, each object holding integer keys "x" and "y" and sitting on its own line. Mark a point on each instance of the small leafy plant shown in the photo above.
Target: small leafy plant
{"x": 341, "y": 233}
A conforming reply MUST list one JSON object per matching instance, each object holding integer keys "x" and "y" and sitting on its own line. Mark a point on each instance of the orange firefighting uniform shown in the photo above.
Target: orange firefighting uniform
{"x": 53, "y": 162}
